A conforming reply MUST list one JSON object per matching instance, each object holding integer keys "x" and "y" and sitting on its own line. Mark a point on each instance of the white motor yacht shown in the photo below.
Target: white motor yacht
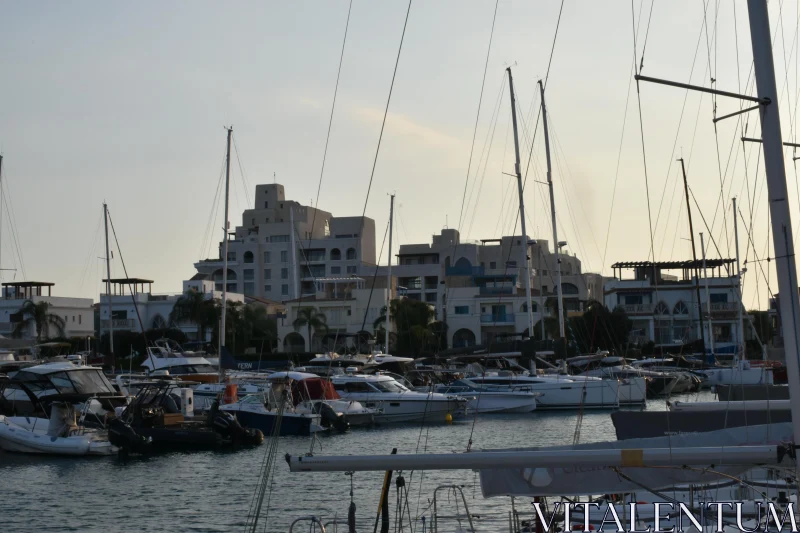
{"x": 490, "y": 399}
{"x": 559, "y": 392}
{"x": 396, "y": 402}
{"x": 168, "y": 356}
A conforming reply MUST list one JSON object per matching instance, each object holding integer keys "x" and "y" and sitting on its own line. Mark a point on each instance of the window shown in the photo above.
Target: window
{"x": 544, "y": 272}
{"x": 266, "y": 205}
{"x": 249, "y": 287}
{"x": 462, "y": 309}
{"x": 267, "y": 288}
{"x": 336, "y": 270}
{"x": 352, "y": 269}
{"x": 719, "y": 298}
{"x": 430, "y": 297}
{"x": 279, "y": 238}
{"x": 336, "y": 255}
{"x": 248, "y": 256}
{"x": 253, "y": 222}
{"x": 267, "y": 273}
{"x": 284, "y": 273}
{"x": 511, "y": 264}
{"x": 268, "y": 257}
{"x": 284, "y": 290}
{"x": 492, "y": 264}
{"x": 73, "y": 318}
{"x": 284, "y": 256}
{"x": 632, "y": 299}
{"x": 351, "y": 254}
{"x": 79, "y": 318}
{"x": 388, "y": 386}
{"x": 661, "y": 309}
{"x": 248, "y": 273}
{"x": 231, "y": 256}
{"x": 680, "y": 309}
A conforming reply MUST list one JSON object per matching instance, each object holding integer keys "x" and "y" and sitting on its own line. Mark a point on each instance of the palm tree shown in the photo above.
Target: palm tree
{"x": 40, "y": 315}
{"x": 193, "y": 306}
{"x": 310, "y": 318}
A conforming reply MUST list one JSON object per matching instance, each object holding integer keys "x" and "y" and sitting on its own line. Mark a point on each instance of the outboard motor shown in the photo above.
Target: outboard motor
{"x": 330, "y": 418}
{"x": 226, "y": 425}
{"x": 124, "y": 437}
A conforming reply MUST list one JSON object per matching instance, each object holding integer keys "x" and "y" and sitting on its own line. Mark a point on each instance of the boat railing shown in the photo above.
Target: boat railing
{"x": 459, "y": 517}
{"x": 312, "y": 521}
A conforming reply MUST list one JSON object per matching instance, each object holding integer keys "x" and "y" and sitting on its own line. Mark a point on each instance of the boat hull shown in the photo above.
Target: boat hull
{"x": 499, "y": 402}
{"x": 291, "y": 425}
{"x": 18, "y": 438}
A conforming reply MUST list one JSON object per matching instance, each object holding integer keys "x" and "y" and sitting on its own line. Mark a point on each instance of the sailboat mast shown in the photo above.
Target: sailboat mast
{"x": 739, "y": 295}
{"x": 389, "y": 272}
{"x": 518, "y": 172}
{"x": 782, "y": 240}
{"x": 226, "y": 226}
{"x": 553, "y": 215}
{"x": 108, "y": 291}
{"x": 694, "y": 255}
{"x": 1, "y": 209}
{"x": 708, "y": 298}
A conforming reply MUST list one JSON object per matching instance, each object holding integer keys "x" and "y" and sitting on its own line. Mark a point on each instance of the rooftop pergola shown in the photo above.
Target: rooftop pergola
{"x": 687, "y": 266}
{"x": 136, "y": 285}
{"x": 24, "y": 290}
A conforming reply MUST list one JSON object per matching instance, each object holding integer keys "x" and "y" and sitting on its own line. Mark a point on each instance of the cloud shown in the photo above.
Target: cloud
{"x": 399, "y": 124}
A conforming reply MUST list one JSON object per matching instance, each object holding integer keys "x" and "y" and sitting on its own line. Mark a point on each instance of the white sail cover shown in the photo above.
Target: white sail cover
{"x": 604, "y": 480}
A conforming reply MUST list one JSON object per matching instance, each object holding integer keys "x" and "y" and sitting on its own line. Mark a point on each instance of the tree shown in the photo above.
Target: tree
{"x": 193, "y": 307}
{"x": 38, "y": 314}
{"x": 310, "y": 318}
{"x": 412, "y": 320}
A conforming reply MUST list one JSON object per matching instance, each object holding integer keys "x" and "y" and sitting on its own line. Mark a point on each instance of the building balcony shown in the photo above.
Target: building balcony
{"x": 120, "y": 323}
{"x": 492, "y": 291}
{"x": 637, "y": 309}
{"x": 507, "y": 318}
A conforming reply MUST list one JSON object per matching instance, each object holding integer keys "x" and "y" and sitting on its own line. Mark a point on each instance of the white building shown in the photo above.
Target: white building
{"x": 267, "y": 258}
{"x": 664, "y": 307}
{"x": 129, "y": 295}
{"x": 478, "y": 287}
{"x": 77, "y": 313}
{"x": 350, "y": 305}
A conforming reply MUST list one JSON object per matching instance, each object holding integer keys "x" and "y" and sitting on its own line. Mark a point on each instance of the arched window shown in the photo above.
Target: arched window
{"x": 248, "y": 257}
{"x": 336, "y": 255}
{"x": 159, "y": 322}
{"x": 463, "y": 337}
{"x": 524, "y": 308}
{"x": 463, "y": 263}
{"x": 569, "y": 288}
{"x": 680, "y": 309}
{"x": 351, "y": 254}
{"x": 661, "y": 309}
{"x": 217, "y": 277}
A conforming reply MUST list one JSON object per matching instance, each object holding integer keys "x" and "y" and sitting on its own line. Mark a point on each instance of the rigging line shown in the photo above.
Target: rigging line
{"x": 478, "y": 112}
{"x": 546, "y": 79}
{"x": 646, "y": 32}
{"x": 680, "y": 118}
{"x": 703, "y": 218}
{"x": 330, "y": 121}
{"x": 9, "y": 208}
{"x": 644, "y": 162}
{"x": 372, "y": 288}
{"x": 486, "y": 145}
{"x": 245, "y": 182}
{"x": 92, "y": 248}
{"x": 616, "y": 172}
{"x": 212, "y": 215}
{"x": 385, "y": 114}
{"x": 748, "y": 231}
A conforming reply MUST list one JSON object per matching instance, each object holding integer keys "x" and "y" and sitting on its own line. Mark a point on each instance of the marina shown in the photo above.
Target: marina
{"x": 413, "y": 332}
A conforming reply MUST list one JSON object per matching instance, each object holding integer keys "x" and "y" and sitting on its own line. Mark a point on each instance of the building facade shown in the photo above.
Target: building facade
{"x": 132, "y": 299}
{"x": 282, "y": 247}
{"x": 665, "y": 308}
{"x": 77, "y": 313}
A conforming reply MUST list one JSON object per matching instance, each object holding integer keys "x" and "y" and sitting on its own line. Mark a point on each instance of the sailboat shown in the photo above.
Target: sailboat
{"x": 612, "y": 467}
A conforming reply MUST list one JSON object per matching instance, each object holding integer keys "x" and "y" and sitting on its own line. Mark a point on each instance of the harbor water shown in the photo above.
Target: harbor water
{"x": 212, "y": 491}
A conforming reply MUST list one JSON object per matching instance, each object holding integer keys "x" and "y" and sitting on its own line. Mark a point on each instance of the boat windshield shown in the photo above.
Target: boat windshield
{"x": 79, "y": 381}
{"x": 388, "y": 386}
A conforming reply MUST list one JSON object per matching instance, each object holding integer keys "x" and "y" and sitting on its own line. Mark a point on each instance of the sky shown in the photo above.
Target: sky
{"x": 127, "y": 103}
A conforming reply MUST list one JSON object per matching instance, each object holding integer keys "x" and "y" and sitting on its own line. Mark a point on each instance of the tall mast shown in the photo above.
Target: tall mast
{"x": 694, "y": 255}
{"x": 1, "y": 208}
{"x": 226, "y": 226}
{"x": 108, "y": 291}
{"x": 389, "y": 272}
{"x": 295, "y": 290}
{"x": 708, "y": 301}
{"x": 739, "y": 285}
{"x": 782, "y": 240}
{"x": 518, "y": 172}
{"x": 553, "y": 214}
{"x": 539, "y": 275}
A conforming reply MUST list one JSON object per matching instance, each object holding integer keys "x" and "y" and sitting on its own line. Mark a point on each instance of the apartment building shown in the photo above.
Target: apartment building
{"x": 77, "y": 313}
{"x": 282, "y": 248}
{"x": 665, "y": 300}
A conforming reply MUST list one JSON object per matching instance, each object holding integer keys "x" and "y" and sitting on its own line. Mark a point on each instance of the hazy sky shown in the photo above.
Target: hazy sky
{"x": 127, "y": 101}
